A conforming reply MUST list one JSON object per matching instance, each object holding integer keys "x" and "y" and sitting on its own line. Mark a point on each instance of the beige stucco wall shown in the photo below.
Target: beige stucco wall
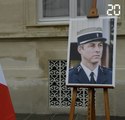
{"x": 26, "y": 47}
{"x": 25, "y": 65}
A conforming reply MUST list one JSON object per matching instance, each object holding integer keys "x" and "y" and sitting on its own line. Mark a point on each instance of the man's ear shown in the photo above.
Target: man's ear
{"x": 79, "y": 49}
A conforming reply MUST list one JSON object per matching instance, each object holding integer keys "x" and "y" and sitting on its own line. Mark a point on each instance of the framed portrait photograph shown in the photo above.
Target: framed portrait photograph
{"x": 91, "y": 52}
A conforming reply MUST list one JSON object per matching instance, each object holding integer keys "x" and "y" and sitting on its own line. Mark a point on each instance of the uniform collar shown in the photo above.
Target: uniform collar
{"x": 88, "y": 71}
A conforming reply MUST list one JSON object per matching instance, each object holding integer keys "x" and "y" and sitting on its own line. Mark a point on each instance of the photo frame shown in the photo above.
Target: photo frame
{"x": 100, "y": 32}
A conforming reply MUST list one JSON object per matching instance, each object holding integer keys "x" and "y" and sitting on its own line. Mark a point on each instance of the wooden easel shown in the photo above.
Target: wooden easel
{"x": 93, "y": 13}
{"x": 91, "y": 104}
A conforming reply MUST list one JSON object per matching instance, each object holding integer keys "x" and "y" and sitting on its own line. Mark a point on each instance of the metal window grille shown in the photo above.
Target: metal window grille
{"x": 59, "y": 93}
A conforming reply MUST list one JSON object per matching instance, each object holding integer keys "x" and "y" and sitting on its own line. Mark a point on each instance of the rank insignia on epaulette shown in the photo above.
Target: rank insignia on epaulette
{"x": 78, "y": 68}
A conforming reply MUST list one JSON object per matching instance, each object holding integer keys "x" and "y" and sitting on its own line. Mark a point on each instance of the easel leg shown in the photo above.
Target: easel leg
{"x": 72, "y": 107}
{"x": 91, "y": 104}
{"x": 106, "y": 100}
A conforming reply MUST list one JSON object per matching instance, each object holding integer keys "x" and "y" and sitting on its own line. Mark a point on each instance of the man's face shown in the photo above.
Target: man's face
{"x": 91, "y": 52}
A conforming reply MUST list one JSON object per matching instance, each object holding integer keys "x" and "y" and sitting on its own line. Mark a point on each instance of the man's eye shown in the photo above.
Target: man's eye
{"x": 92, "y": 45}
{"x": 100, "y": 45}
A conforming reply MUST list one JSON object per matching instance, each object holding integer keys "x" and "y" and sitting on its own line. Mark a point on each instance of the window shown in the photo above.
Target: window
{"x": 54, "y": 8}
{"x": 63, "y": 9}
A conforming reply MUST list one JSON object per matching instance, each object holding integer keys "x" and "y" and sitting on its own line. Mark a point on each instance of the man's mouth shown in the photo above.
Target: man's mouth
{"x": 96, "y": 55}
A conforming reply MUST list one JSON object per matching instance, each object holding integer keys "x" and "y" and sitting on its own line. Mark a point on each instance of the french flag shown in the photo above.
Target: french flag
{"x": 6, "y": 107}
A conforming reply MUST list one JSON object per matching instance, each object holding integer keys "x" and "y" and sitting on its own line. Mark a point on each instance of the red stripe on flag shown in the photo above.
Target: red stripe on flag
{"x": 6, "y": 107}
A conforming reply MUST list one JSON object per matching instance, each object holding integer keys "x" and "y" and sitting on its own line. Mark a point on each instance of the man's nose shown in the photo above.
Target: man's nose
{"x": 97, "y": 48}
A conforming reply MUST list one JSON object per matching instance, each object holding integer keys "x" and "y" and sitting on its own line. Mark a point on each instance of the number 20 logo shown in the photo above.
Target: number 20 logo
{"x": 114, "y": 9}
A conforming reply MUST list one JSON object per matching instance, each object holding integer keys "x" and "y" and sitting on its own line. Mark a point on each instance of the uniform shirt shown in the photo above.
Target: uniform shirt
{"x": 77, "y": 75}
{"x": 88, "y": 71}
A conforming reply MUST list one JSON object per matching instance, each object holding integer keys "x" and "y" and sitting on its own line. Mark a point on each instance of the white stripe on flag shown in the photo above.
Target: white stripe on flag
{"x": 2, "y": 78}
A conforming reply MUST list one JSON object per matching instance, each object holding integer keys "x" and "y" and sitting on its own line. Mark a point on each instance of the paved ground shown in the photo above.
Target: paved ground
{"x": 58, "y": 117}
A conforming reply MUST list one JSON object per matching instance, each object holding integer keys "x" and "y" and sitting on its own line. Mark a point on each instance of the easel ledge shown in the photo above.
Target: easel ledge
{"x": 87, "y": 86}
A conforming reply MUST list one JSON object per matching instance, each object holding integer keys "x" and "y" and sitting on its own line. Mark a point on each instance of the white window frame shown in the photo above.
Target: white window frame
{"x": 72, "y": 7}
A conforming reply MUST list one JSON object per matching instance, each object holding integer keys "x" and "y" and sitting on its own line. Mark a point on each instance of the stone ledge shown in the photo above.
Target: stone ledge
{"x": 60, "y": 117}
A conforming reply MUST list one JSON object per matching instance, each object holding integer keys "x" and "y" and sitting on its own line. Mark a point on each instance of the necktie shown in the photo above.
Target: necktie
{"x": 92, "y": 80}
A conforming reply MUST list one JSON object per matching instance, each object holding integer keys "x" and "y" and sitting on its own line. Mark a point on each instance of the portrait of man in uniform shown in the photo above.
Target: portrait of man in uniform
{"x": 93, "y": 50}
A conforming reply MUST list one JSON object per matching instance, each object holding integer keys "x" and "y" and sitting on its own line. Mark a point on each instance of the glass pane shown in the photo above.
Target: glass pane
{"x": 55, "y": 8}
{"x": 82, "y": 7}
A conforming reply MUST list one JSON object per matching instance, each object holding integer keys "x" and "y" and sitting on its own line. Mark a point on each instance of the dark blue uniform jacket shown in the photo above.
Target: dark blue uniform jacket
{"x": 77, "y": 75}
